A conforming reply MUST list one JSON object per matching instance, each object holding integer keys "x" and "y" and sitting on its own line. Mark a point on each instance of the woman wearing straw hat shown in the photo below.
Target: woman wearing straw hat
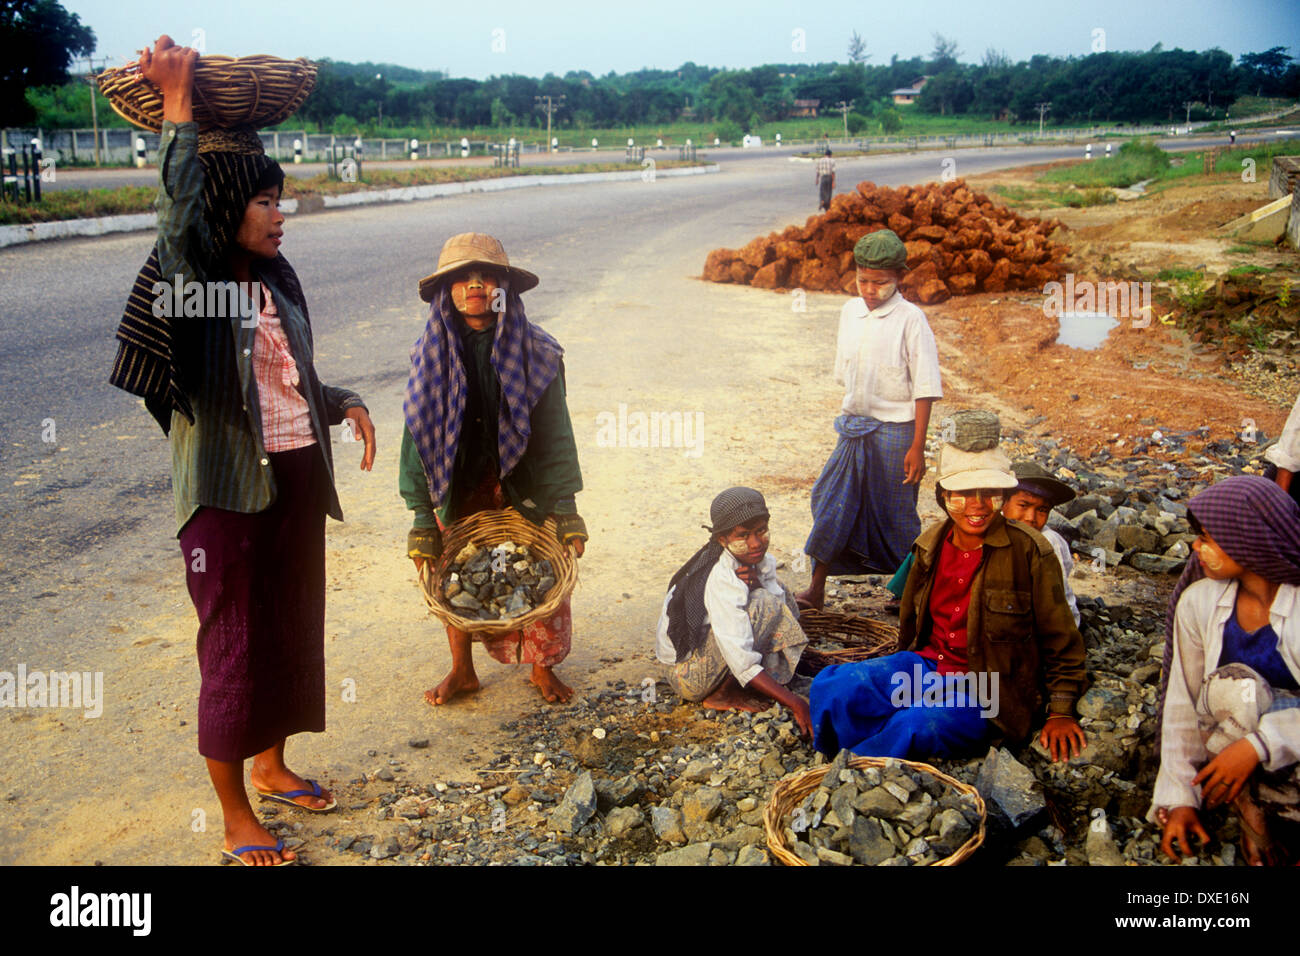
{"x": 252, "y": 471}
{"x": 988, "y": 643}
{"x": 487, "y": 426}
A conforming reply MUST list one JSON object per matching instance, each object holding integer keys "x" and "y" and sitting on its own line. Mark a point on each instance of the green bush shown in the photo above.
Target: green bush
{"x": 857, "y": 123}
{"x": 727, "y": 131}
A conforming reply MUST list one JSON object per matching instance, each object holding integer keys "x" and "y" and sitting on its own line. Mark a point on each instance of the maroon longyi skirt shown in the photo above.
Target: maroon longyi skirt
{"x": 258, "y": 585}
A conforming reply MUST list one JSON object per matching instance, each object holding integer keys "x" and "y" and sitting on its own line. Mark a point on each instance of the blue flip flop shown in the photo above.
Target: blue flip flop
{"x": 287, "y": 796}
{"x": 233, "y": 856}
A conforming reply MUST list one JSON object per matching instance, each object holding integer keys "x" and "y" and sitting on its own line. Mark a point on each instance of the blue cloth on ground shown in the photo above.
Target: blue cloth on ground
{"x": 853, "y": 707}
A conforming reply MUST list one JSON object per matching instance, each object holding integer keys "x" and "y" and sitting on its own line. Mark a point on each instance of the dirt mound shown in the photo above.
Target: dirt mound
{"x": 958, "y": 242}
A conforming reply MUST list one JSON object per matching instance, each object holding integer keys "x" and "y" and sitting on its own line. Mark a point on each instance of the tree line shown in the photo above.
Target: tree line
{"x": 41, "y": 39}
{"x": 1152, "y": 86}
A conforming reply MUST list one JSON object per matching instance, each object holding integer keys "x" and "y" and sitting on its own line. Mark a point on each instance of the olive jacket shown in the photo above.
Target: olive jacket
{"x": 1019, "y": 625}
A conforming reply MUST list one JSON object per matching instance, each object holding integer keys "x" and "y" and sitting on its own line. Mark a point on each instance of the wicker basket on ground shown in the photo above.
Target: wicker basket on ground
{"x": 863, "y": 638}
{"x": 256, "y": 91}
{"x": 490, "y": 528}
{"x": 790, "y": 792}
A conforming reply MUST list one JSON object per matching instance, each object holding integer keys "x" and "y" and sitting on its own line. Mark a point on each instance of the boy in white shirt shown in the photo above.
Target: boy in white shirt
{"x": 728, "y": 627}
{"x": 1032, "y": 501}
{"x": 864, "y": 503}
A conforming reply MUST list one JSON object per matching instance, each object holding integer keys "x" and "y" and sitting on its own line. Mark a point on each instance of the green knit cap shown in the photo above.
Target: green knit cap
{"x": 881, "y": 249}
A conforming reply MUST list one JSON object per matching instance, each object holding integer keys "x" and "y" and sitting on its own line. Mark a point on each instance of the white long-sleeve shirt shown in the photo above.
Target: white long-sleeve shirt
{"x": 1202, "y": 612}
{"x": 886, "y": 358}
{"x": 1286, "y": 453}
{"x": 1067, "y": 566}
{"x": 726, "y": 599}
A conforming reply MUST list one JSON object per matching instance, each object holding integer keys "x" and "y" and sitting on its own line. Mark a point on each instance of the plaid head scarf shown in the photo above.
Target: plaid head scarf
{"x": 526, "y": 360}
{"x": 1257, "y": 525}
{"x": 145, "y": 365}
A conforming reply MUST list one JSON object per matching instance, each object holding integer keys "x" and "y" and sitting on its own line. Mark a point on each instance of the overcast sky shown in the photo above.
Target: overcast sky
{"x": 533, "y": 38}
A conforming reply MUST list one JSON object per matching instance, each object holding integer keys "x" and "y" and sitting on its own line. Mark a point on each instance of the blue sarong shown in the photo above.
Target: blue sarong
{"x": 864, "y": 516}
{"x": 874, "y": 709}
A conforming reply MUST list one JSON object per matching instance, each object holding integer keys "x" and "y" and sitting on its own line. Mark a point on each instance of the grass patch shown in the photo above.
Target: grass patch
{"x": 1040, "y": 196}
{"x": 1176, "y": 275}
{"x": 80, "y": 204}
{"x": 92, "y": 203}
{"x": 1137, "y": 160}
{"x": 1251, "y": 269}
{"x": 1230, "y": 161}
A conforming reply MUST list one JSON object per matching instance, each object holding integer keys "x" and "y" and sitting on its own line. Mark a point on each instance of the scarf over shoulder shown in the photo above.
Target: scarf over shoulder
{"x": 145, "y": 364}
{"x": 526, "y": 360}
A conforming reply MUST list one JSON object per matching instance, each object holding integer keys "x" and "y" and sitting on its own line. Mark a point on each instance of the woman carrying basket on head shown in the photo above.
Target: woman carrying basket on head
{"x": 487, "y": 427}
{"x": 252, "y": 471}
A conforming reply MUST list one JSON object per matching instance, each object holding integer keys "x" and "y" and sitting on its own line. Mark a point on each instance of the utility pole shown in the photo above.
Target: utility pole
{"x": 844, "y": 108}
{"x": 1042, "y": 109}
{"x": 94, "y": 90}
{"x": 548, "y": 104}
{"x": 1187, "y": 105}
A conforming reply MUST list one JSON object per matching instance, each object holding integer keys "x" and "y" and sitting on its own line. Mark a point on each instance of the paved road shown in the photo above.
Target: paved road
{"x": 81, "y": 178}
{"x": 100, "y": 491}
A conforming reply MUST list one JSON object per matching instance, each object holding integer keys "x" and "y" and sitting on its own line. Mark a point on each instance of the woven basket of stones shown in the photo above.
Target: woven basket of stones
{"x": 257, "y": 91}
{"x": 498, "y": 572}
{"x": 873, "y": 811}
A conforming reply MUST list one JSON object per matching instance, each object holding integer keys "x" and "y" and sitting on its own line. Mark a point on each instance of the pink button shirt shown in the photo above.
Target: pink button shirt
{"x": 286, "y": 419}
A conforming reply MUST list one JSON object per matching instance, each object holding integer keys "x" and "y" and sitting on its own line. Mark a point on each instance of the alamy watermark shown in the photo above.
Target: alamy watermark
{"x": 75, "y": 908}
{"x": 207, "y": 300}
{"x": 624, "y": 429}
{"x": 1121, "y": 300}
{"x": 79, "y": 689}
{"x": 922, "y": 688}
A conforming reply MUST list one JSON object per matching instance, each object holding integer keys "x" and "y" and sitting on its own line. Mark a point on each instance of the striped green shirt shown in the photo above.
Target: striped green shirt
{"x": 220, "y": 460}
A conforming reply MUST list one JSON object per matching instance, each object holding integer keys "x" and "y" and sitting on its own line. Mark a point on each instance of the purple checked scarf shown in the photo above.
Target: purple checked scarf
{"x": 1257, "y": 525}
{"x": 526, "y": 361}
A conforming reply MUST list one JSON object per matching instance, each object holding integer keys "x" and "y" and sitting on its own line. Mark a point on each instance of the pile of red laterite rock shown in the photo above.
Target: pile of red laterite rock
{"x": 958, "y": 242}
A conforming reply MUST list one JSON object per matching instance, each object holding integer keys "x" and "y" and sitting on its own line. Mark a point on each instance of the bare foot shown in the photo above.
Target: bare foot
{"x": 251, "y": 833}
{"x": 269, "y": 779}
{"x": 731, "y": 696}
{"x": 1257, "y": 846}
{"x": 553, "y": 689}
{"x": 457, "y": 682}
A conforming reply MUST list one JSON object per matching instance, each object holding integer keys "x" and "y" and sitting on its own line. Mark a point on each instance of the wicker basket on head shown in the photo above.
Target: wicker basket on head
{"x": 491, "y": 528}
{"x": 256, "y": 91}
{"x": 864, "y": 638}
{"x": 790, "y": 792}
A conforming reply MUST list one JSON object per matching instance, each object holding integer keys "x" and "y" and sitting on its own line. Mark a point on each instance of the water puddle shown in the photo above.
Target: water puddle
{"x": 1085, "y": 330}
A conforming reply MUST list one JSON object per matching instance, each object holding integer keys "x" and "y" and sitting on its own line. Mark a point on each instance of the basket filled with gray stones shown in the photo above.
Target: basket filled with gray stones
{"x": 873, "y": 811}
{"x": 498, "y": 572}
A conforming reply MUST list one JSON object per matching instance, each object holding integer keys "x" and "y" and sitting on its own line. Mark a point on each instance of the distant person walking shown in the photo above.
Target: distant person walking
{"x": 825, "y": 180}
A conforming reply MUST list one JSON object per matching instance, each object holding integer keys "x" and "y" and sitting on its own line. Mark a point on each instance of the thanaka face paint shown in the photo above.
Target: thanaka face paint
{"x": 876, "y": 286}
{"x": 747, "y": 545}
{"x": 1216, "y": 562}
